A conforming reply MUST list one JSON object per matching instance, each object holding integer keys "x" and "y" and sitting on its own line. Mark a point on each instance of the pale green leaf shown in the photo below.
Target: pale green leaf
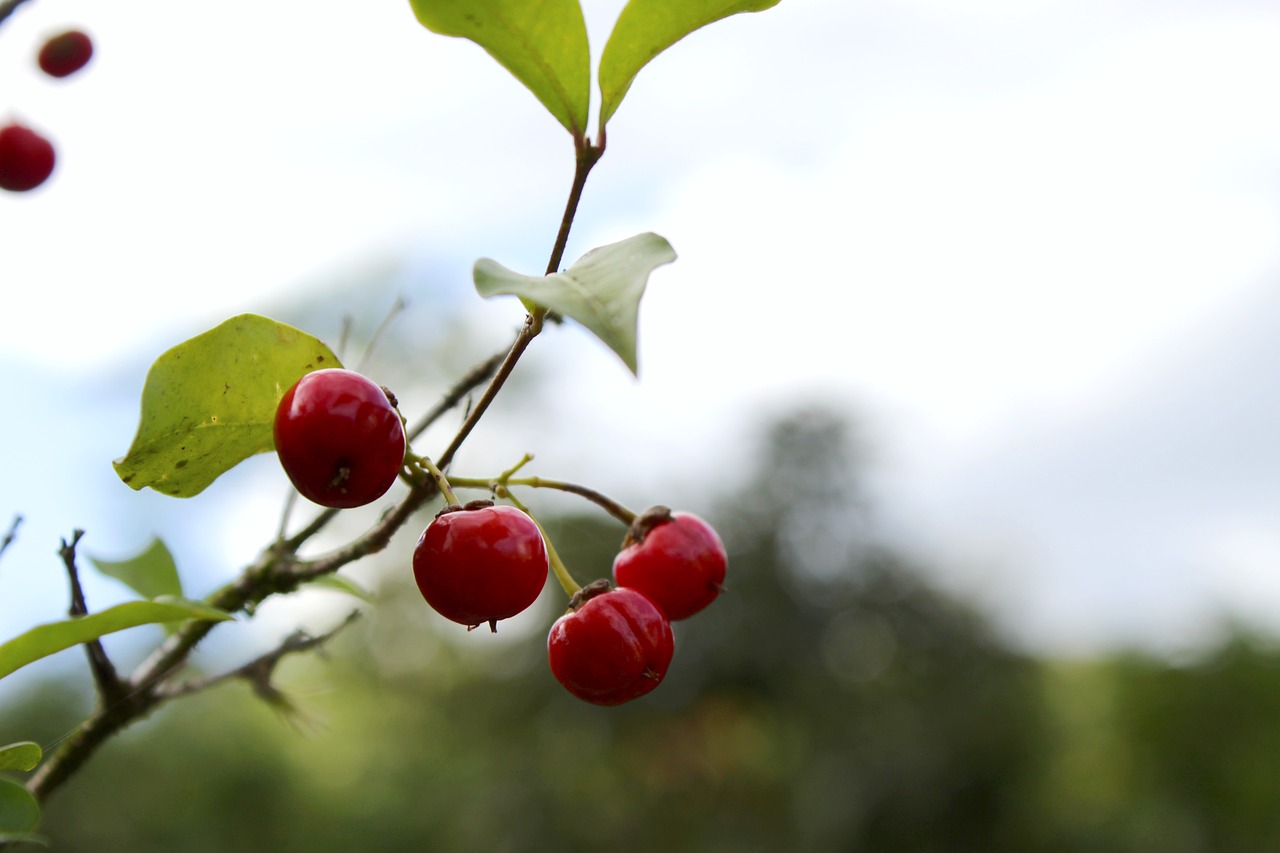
{"x": 209, "y": 403}
{"x": 601, "y": 291}
{"x": 19, "y": 811}
{"x": 542, "y": 42}
{"x": 23, "y": 755}
{"x": 149, "y": 574}
{"x": 648, "y": 27}
{"x": 44, "y": 640}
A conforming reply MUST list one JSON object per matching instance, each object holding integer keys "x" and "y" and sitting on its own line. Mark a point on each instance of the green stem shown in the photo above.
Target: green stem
{"x": 605, "y": 502}
{"x": 506, "y": 475}
{"x": 567, "y": 583}
{"x": 442, "y": 482}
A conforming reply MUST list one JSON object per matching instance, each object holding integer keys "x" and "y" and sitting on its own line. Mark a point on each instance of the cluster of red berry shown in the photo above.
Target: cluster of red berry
{"x": 341, "y": 440}
{"x": 615, "y": 643}
{"x": 26, "y": 157}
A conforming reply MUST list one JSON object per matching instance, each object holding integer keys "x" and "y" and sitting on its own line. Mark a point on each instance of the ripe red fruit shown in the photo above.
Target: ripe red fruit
{"x": 339, "y": 438}
{"x": 26, "y": 158}
{"x": 675, "y": 559}
{"x": 65, "y": 54}
{"x": 480, "y": 563}
{"x": 614, "y": 647}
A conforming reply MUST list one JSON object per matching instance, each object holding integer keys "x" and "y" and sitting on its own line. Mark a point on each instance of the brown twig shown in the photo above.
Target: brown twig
{"x": 110, "y": 689}
{"x": 259, "y": 671}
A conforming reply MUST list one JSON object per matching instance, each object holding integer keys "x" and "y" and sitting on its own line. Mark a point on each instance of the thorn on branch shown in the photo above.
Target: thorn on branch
{"x": 110, "y": 688}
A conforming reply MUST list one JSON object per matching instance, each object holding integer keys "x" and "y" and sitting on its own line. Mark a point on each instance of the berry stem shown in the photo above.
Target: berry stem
{"x": 567, "y": 583}
{"x": 442, "y": 482}
{"x": 605, "y": 502}
{"x": 506, "y": 475}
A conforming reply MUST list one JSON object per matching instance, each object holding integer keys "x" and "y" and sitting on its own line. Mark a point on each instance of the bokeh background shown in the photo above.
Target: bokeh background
{"x": 968, "y": 352}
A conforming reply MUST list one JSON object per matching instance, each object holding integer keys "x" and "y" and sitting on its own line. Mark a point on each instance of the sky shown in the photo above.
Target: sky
{"x": 1031, "y": 246}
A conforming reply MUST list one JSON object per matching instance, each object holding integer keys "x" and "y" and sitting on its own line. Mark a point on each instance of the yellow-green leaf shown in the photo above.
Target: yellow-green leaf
{"x": 44, "y": 640}
{"x": 23, "y": 755}
{"x": 646, "y": 28}
{"x": 208, "y": 403}
{"x": 542, "y": 42}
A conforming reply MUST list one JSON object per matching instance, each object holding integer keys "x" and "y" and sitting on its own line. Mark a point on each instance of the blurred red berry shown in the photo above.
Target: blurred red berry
{"x": 65, "y": 54}
{"x": 26, "y": 158}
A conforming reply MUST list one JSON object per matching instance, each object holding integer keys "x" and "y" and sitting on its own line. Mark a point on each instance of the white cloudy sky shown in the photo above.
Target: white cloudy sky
{"x": 1033, "y": 245}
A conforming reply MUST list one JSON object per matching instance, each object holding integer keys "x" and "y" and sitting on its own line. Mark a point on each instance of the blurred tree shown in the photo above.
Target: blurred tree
{"x": 829, "y": 701}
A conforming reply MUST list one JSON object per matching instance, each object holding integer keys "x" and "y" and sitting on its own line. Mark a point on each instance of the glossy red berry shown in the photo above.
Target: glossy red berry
{"x": 65, "y": 54}
{"x": 675, "y": 559}
{"x": 614, "y": 647}
{"x": 26, "y": 158}
{"x": 480, "y": 563}
{"x": 339, "y": 438}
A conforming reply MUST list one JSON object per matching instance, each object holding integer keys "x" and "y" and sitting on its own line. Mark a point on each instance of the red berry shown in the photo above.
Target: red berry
{"x": 339, "y": 439}
{"x": 65, "y": 54}
{"x": 480, "y": 563}
{"x": 26, "y": 158}
{"x": 675, "y": 559}
{"x": 614, "y": 647}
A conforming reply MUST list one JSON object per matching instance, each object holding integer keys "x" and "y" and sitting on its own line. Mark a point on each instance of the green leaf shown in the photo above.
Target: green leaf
{"x": 44, "y": 640}
{"x": 149, "y": 574}
{"x": 648, "y": 27}
{"x": 542, "y": 42}
{"x": 208, "y": 403}
{"x": 23, "y": 755}
{"x": 19, "y": 811}
{"x": 340, "y": 583}
{"x": 601, "y": 291}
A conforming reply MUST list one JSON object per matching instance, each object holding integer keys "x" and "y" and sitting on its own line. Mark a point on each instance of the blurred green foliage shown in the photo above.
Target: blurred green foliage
{"x": 829, "y": 701}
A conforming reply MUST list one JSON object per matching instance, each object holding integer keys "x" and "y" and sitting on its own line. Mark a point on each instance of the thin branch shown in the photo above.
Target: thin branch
{"x": 378, "y": 333}
{"x": 11, "y": 535}
{"x": 473, "y": 379}
{"x": 8, "y": 7}
{"x": 344, "y": 335}
{"x": 285, "y": 512}
{"x": 110, "y": 689}
{"x": 373, "y": 540}
{"x": 532, "y": 326}
{"x": 277, "y": 569}
{"x": 139, "y": 690}
{"x": 587, "y": 155}
{"x": 258, "y": 672}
